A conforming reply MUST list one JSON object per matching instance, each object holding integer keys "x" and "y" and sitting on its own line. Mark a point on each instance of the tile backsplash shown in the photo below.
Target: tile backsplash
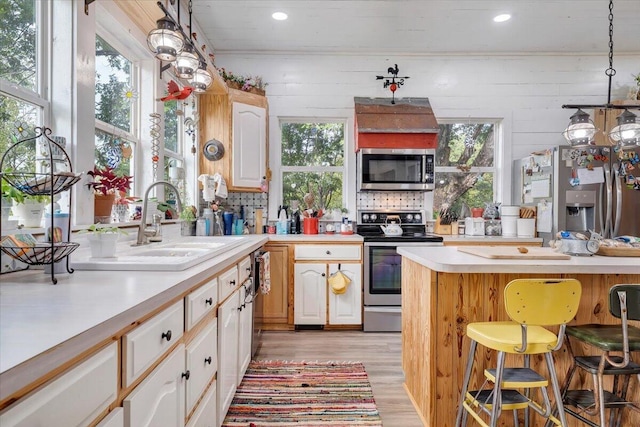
{"x": 399, "y": 200}
{"x": 250, "y": 201}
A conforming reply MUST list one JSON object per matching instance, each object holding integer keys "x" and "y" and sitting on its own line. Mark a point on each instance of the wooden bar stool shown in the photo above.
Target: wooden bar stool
{"x": 530, "y": 304}
{"x": 624, "y": 304}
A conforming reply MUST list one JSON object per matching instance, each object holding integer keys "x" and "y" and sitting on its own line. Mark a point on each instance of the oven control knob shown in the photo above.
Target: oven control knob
{"x": 418, "y": 218}
{"x": 409, "y": 217}
{"x": 374, "y": 217}
{"x": 365, "y": 217}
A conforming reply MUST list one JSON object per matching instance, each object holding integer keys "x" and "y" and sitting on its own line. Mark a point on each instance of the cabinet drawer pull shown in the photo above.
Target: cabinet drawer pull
{"x": 186, "y": 375}
{"x": 232, "y": 282}
{"x": 328, "y": 252}
{"x": 167, "y": 335}
{"x": 208, "y": 360}
{"x": 209, "y": 301}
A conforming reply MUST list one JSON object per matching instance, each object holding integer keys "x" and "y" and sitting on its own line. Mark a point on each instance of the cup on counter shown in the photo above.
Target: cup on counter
{"x": 526, "y": 227}
{"x": 310, "y": 226}
{"x": 227, "y": 218}
{"x": 271, "y": 229}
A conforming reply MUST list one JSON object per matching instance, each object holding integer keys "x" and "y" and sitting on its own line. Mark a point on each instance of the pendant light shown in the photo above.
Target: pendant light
{"x": 581, "y": 130}
{"x": 201, "y": 79}
{"x": 627, "y": 133}
{"x": 165, "y": 41}
{"x": 186, "y": 62}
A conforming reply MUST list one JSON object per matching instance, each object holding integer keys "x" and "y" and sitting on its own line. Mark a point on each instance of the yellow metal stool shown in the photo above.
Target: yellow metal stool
{"x": 616, "y": 342}
{"x": 530, "y": 304}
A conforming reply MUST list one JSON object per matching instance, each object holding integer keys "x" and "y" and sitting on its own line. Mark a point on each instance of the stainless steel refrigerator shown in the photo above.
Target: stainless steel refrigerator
{"x": 581, "y": 189}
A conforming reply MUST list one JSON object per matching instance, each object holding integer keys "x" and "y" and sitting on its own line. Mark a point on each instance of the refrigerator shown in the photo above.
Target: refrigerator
{"x": 581, "y": 189}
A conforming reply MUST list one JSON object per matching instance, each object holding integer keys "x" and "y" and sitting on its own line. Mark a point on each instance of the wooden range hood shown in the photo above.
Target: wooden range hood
{"x": 409, "y": 123}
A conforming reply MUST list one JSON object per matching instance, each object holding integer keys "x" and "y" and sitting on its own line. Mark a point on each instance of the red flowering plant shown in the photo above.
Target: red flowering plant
{"x": 106, "y": 181}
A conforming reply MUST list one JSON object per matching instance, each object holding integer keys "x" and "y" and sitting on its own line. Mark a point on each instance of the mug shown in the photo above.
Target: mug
{"x": 238, "y": 227}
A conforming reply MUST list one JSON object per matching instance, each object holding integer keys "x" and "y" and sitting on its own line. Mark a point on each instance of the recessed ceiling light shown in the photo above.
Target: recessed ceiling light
{"x": 279, "y": 16}
{"x": 502, "y": 17}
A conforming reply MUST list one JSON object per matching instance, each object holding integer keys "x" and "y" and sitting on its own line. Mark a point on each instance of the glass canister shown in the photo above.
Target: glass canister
{"x": 492, "y": 227}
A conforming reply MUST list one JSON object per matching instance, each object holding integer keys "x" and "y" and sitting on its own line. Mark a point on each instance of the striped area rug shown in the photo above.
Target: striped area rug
{"x": 310, "y": 394}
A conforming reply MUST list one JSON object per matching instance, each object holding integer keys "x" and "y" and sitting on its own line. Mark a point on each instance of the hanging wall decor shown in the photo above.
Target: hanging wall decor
{"x": 393, "y": 82}
{"x": 154, "y": 131}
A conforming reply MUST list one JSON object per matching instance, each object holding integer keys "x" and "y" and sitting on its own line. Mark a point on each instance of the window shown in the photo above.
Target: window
{"x": 465, "y": 168}
{"x": 115, "y": 109}
{"x": 23, "y": 105}
{"x": 312, "y": 162}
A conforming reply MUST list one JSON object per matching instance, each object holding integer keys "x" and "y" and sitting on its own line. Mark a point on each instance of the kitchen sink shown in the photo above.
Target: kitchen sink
{"x": 171, "y": 256}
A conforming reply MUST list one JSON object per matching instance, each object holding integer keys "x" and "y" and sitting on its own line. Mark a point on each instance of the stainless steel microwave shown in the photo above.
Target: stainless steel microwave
{"x": 396, "y": 169}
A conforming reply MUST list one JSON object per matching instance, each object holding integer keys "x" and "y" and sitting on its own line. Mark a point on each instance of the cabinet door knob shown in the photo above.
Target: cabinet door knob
{"x": 167, "y": 335}
{"x": 328, "y": 252}
{"x": 209, "y": 301}
{"x": 186, "y": 375}
{"x": 208, "y": 360}
{"x": 323, "y": 275}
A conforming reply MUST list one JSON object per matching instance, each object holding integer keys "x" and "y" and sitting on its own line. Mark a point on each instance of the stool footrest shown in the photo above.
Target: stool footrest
{"x": 584, "y": 399}
{"x": 591, "y": 363}
{"x": 518, "y": 378}
{"x": 511, "y": 399}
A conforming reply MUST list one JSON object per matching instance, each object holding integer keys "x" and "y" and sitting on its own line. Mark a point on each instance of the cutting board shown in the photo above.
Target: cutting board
{"x": 511, "y": 252}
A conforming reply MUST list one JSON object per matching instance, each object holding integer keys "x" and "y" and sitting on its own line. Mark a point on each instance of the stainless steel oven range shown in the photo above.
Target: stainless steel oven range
{"x": 382, "y": 264}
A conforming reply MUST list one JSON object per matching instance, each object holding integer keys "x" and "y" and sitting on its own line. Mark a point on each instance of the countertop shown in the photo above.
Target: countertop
{"x": 42, "y": 325}
{"x": 449, "y": 260}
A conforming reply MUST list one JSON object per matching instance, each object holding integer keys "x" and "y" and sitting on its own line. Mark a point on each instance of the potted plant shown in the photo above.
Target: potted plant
{"x": 9, "y": 194}
{"x": 105, "y": 185}
{"x": 188, "y": 221}
{"x": 102, "y": 240}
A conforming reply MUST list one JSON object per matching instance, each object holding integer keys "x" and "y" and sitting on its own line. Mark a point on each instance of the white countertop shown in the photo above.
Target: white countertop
{"x": 487, "y": 240}
{"x": 449, "y": 260}
{"x": 43, "y": 325}
{"x": 315, "y": 238}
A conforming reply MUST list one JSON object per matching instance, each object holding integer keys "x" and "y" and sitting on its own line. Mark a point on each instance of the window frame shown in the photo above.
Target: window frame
{"x": 279, "y": 169}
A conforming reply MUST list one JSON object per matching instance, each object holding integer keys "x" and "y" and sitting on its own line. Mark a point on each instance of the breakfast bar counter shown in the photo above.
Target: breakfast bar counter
{"x": 444, "y": 289}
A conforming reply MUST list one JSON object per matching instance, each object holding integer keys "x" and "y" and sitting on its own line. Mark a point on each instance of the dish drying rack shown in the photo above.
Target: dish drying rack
{"x": 55, "y": 177}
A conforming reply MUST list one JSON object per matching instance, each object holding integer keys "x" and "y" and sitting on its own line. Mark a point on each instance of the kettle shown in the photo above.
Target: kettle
{"x": 392, "y": 229}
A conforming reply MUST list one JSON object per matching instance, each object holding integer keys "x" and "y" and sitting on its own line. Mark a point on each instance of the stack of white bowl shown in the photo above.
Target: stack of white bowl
{"x": 509, "y": 216}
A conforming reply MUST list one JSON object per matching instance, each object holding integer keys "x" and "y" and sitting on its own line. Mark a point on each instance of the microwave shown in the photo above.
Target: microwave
{"x": 396, "y": 169}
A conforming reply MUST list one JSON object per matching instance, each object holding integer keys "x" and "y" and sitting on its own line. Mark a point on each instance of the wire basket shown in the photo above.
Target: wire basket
{"x": 40, "y": 253}
{"x": 37, "y": 184}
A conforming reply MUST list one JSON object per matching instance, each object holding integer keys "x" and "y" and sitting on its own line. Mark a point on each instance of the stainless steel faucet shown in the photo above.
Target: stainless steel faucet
{"x": 146, "y": 235}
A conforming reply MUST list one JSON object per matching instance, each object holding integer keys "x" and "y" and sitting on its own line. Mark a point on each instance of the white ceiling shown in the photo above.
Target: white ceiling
{"x": 419, "y": 27}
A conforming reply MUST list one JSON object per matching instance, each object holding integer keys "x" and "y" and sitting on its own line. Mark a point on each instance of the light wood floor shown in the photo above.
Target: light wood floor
{"x": 379, "y": 352}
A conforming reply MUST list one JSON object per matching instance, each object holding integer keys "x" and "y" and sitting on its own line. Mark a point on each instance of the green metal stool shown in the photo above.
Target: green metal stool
{"x": 624, "y": 303}
{"x": 531, "y": 304}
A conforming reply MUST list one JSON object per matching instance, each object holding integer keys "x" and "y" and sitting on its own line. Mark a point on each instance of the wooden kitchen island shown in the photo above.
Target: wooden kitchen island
{"x": 443, "y": 290}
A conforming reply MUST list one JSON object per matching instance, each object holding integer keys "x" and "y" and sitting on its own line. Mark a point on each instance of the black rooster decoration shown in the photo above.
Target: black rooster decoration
{"x": 394, "y": 82}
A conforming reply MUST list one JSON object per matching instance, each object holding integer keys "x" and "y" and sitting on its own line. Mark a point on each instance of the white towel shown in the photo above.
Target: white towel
{"x": 265, "y": 273}
{"x": 221, "y": 189}
{"x": 208, "y": 187}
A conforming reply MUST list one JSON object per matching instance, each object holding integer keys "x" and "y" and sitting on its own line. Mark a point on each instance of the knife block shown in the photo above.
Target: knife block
{"x": 441, "y": 228}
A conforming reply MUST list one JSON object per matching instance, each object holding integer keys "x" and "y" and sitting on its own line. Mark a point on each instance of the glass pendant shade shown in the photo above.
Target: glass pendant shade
{"x": 201, "y": 80}
{"x": 580, "y": 131}
{"x": 627, "y": 132}
{"x": 165, "y": 42}
{"x": 186, "y": 63}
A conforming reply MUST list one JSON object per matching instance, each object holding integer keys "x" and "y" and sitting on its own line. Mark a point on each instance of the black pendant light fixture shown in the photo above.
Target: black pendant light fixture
{"x": 170, "y": 43}
{"x": 581, "y": 130}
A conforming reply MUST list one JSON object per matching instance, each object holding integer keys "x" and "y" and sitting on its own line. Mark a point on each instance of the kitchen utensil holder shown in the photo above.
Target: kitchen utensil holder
{"x": 442, "y": 228}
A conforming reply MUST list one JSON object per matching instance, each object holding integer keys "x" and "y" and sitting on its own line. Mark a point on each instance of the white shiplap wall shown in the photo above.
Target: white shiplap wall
{"x": 525, "y": 91}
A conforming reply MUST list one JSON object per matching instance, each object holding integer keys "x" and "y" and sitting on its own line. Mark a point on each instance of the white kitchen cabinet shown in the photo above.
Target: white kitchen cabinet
{"x": 75, "y": 398}
{"x": 310, "y": 294}
{"x": 114, "y": 419}
{"x": 227, "y": 381}
{"x": 227, "y": 283}
{"x": 205, "y": 414}
{"x": 346, "y": 308}
{"x": 200, "y": 302}
{"x": 245, "y": 329}
{"x": 201, "y": 363}
{"x": 238, "y": 120}
{"x": 249, "y": 145}
{"x": 146, "y": 343}
{"x": 313, "y": 297}
{"x": 158, "y": 401}
{"x": 244, "y": 269}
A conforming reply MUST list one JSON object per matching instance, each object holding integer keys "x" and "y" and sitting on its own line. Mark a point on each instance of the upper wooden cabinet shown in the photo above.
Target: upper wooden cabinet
{"x": 238, "y": 120}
